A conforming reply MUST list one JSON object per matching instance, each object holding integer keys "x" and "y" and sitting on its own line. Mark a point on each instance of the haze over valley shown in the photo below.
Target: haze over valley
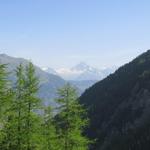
{"x": 81, "y": 76}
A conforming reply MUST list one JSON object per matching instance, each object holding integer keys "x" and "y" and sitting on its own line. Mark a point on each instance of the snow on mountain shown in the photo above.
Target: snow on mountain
{"x": 86, "y": 72}
{"x": 91, "y": 73}
{"x": 81, "y": 67}
{"x": 49, "y": 70}
{"x": 68, "y": 74}
{"x": 81, "y": 72}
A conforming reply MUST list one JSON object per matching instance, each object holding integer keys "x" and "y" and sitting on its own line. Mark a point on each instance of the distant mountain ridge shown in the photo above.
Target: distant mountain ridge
{"x": 49, "y": 83}
{"x": 50, "y": 79}
{"x": 82, "y": 72}
{"x": 82, "y": 85}
{"x": 119, "y": 108}
{"x": 49, "y": 70}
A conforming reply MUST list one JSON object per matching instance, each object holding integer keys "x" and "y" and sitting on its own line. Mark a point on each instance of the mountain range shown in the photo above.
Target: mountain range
{"x": 50, "y": 79}
{"x": 119, "y": 108}
{"x": 82, "y": 76}
{"x": 81, "y": 72}
{"x": 49, "y": 83}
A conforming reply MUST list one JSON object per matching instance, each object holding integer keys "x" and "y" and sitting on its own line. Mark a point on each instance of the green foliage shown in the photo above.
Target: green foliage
{"x": 19, "y": 107}
{"x": 5, "y": 103}
{"x": 27, "y": 125}
{"x": 31, "y": 103}
{"x": 70, "y": 121}
{"x": 50, "y": 138}
{"x": 4, "y": 90}
{"x": 119, "y": 108}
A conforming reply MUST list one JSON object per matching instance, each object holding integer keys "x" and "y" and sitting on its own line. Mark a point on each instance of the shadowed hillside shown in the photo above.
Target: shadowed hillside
{"x": 119, "y": 108}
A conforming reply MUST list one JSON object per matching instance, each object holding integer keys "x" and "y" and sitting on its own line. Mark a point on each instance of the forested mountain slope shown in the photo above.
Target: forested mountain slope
{"x": 119, "y": 108}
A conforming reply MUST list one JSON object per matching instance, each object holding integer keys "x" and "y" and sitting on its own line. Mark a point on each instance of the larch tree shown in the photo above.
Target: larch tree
{"x": 19, "y": 107}
{"x": 25, "y": 126}
{"x": 71, "y": 120}
{"x": 3, "y": 90}
{"x": 6, "y": 117}
{"x": 50, "y": 138}
{"x": 32, "y": 103}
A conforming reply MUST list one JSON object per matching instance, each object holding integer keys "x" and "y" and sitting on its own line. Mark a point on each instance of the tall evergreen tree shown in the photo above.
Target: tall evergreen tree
{"x": 3, "y": 89}
{"x": 22, "y": 127}
{"x": 6, "y": 96}
{"x": 71, "y": 120}
{"x": 25, "y": 105}
{"x": 19, "y": 106}
{"x": 50, "y": 138}
{"x": 32, "y": 103}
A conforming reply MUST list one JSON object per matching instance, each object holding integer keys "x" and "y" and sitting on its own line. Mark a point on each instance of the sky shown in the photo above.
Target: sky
{"x": 62, "y": 33}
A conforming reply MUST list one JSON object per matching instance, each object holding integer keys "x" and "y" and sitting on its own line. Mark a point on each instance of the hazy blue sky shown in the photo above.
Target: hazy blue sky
{"x": 60, "y": 33}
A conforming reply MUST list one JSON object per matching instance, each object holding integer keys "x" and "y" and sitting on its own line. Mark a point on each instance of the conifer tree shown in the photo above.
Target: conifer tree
{"x": 50, "y": 137}
{"x": 71, "y": 120}
{"x": 6, "y": 116}
{"x": 32, "y": 103}
{"x": 19, "y": 106}
{"x": 22, "y": 127}
{"x": 26, "y": 119}
{"x": 3, "y": 89}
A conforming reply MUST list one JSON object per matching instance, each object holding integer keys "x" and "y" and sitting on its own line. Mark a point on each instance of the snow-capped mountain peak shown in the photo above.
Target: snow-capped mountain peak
{"x": 49, "y": 70}
{"x": 81, "y": 71}
{"x": 81, "y": 67}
